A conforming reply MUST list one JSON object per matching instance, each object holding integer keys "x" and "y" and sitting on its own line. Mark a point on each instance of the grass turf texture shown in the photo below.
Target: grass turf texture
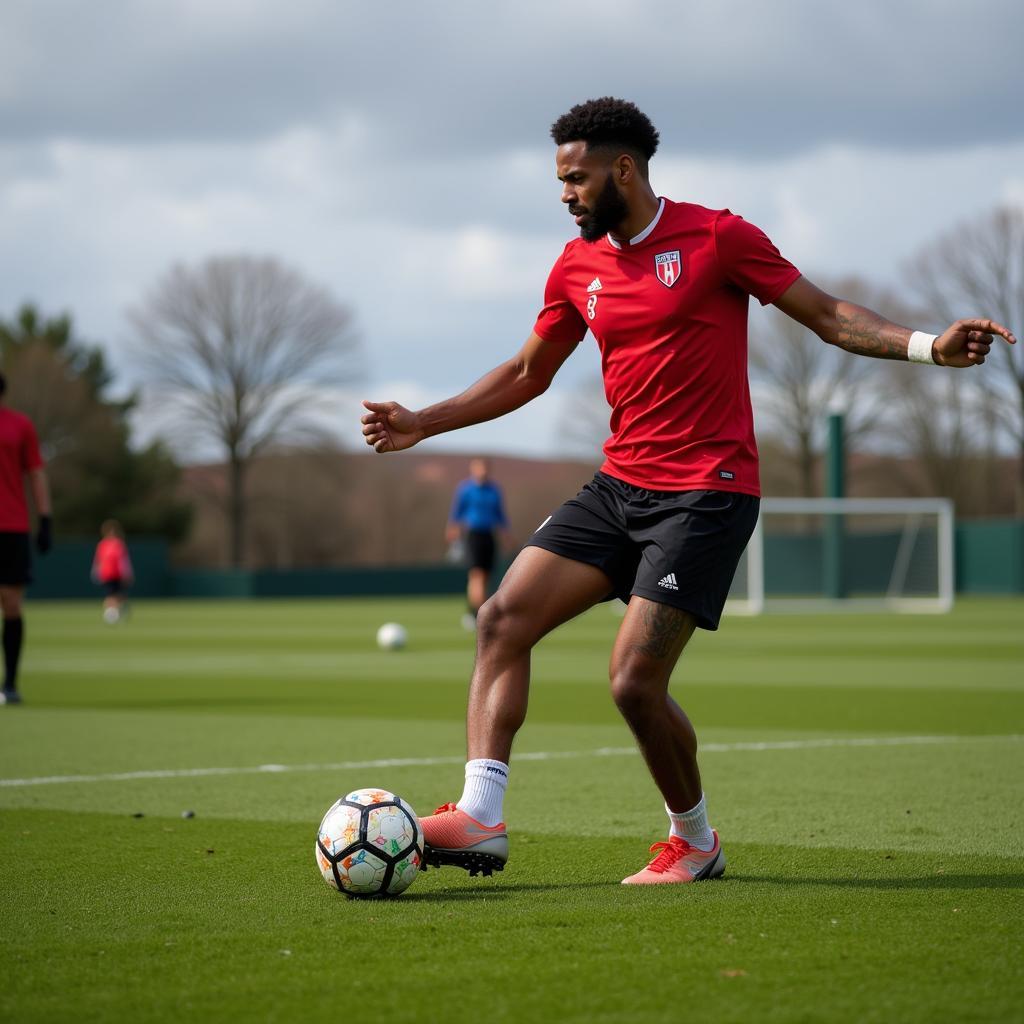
{"x": 875, "y": 882}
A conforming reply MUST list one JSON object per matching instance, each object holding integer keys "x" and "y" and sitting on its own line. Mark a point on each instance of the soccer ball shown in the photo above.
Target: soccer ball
{"x": 370, "y": 844}
{"x": 392, "y": 637}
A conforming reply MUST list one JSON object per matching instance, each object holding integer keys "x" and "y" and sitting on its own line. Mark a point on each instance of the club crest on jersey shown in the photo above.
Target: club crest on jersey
{"x": 669, "y": 266}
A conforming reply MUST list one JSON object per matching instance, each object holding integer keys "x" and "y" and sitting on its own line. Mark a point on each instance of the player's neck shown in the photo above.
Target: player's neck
{"x": 642, "y": 210}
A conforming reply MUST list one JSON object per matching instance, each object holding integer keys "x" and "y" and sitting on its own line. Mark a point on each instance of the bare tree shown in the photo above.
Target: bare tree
{"x": 798, "y": 380}
{"x": 237, "y": 351}
{"x": 978, "y": 269}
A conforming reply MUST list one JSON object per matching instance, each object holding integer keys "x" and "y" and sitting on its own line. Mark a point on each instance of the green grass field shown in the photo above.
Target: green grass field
{"x": 865, "y": 774}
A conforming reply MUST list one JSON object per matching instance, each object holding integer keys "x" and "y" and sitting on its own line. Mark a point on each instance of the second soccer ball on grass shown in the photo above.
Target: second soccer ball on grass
{"x": 392, "y": 637}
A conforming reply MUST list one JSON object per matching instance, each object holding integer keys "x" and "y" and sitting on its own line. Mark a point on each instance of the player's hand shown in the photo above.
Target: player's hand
{"x": 967, "y": 342}
{"x": 390, "y": 427}
{"x": 44, "y": 535}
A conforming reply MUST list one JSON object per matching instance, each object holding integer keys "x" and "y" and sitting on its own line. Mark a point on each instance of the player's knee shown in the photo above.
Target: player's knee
{"x": 630, "y": 691}
{"x": 500, "y": 623}
{"x": 638, "y": 687}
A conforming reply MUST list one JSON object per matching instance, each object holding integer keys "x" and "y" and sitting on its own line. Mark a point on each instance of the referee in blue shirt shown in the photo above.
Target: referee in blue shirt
{"x": 477, "y": 512}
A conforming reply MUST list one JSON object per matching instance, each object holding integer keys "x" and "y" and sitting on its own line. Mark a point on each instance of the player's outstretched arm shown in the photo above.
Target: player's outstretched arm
{"x": 390, "y": 427}
{"x": 866, "y": 333}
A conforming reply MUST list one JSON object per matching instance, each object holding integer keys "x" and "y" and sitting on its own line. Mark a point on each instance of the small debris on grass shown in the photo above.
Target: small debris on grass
{"x": 733, "y": 972}
{"x": 285, "y": 952}
{"x": 209, "y": 849}
{"x": 188, "y": 814}
{"x": 138, "y": 814}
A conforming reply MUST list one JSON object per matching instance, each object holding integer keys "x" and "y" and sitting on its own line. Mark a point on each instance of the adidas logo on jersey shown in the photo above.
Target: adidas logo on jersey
{"x": 594, "y": 286}
{"x": 669, "y": 582}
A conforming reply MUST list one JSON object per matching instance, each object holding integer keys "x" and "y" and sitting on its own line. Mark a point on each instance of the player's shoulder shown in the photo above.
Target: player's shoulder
{"x": 576, "y": 249}
{"x": 15, "y": 419}
{"x": 693, "y": 215}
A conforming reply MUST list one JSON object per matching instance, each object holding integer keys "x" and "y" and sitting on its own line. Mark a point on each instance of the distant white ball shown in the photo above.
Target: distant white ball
{"x": 392, "y": 637}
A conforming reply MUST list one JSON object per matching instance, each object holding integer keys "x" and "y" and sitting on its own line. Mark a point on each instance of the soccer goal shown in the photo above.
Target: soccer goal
{"x": 847, "y": 554}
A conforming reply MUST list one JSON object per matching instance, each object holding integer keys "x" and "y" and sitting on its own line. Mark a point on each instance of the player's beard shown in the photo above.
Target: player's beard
{"x": 609, "y": 211}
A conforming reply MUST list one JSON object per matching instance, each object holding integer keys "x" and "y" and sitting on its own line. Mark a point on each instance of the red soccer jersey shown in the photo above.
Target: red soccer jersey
{"x": 19, "y": 454}
{"x": 669, "y": 312}
{"x": 111, "y": 561}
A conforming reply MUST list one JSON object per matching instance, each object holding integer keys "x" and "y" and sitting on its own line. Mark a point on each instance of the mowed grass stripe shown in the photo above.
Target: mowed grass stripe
{"x": 211, "y": 918}
{"x": 537, "y": 755}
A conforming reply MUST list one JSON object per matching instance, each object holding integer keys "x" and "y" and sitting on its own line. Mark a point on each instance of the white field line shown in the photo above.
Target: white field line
{"x": 546, "y": 755}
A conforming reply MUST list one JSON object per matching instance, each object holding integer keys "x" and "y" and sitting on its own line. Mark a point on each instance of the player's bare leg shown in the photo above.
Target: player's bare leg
{"x": 649, "y": 643}
{"x": 476, "y": 588}
{"x": 650, "y": 640}
{"x": 540, "y": 591}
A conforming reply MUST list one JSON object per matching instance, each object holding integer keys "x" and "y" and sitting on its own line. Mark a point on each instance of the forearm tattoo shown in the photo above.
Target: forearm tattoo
{"x": 867, "y": 334}
{"x": 663, "y": 625}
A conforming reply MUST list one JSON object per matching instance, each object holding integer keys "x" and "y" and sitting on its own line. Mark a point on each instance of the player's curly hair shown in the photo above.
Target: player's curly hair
{"x": 608, "y": 122}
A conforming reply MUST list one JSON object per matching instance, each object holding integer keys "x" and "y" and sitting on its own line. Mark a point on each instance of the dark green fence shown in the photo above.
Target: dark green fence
{"x": 989, "y": 560}
{"x": 65, "y": 571}
{"x": 990, "y": 557}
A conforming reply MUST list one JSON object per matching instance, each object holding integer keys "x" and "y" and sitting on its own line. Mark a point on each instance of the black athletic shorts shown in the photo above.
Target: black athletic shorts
{"x": 480, "y": 549}
{"x": 679, "y": 548}
{"x": 114, "y": 587}
{"x": 15, "y": 559}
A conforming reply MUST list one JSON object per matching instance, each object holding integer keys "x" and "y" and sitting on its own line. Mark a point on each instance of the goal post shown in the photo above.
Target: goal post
{"x": 847, "y": 554}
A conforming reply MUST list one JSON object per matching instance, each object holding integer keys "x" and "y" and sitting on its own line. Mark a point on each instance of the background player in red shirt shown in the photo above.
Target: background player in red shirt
{"x": 664, "y": 288}
{"x": 19, "y": 458}
{"x": 112, "y": 569}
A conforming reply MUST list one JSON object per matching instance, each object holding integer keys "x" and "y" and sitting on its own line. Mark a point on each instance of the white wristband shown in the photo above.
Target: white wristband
{"x": 919, "y": 348}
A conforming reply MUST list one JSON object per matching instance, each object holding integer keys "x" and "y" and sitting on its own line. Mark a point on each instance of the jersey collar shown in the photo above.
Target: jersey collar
{"x": 637, "y": 239}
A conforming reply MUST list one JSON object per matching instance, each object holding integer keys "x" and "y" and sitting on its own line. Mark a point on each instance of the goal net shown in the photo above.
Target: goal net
{"x": 847, "y": 554}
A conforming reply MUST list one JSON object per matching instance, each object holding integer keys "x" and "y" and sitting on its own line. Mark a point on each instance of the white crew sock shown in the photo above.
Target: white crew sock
{"x": 484, "y": 791}
{"x": 692, "y": 825}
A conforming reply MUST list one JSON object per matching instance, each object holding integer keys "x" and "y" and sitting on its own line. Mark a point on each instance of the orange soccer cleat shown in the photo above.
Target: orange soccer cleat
{"x": 452, "y": 837}
{"x": 678, "y": 861}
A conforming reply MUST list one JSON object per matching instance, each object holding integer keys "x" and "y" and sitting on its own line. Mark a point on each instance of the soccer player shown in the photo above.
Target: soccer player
{"x": 663, "y": 286}
{"x": 477, "y": 512}
{"x": 112, "y": 569}
{"x": 19, "y": 458}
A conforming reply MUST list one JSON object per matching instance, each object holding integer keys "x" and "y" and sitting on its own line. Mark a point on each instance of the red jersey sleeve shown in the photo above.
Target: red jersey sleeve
{"x": 30, "y": 457}
{"x": 559, "y": 320}
{"x": 749, "y": 259}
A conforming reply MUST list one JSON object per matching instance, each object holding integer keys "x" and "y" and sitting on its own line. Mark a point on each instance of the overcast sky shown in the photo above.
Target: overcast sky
{"x": 399, "y": 153}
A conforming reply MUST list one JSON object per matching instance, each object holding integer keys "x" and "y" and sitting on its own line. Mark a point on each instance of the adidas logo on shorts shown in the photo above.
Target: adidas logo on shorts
{"x": 669, "y": 582}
